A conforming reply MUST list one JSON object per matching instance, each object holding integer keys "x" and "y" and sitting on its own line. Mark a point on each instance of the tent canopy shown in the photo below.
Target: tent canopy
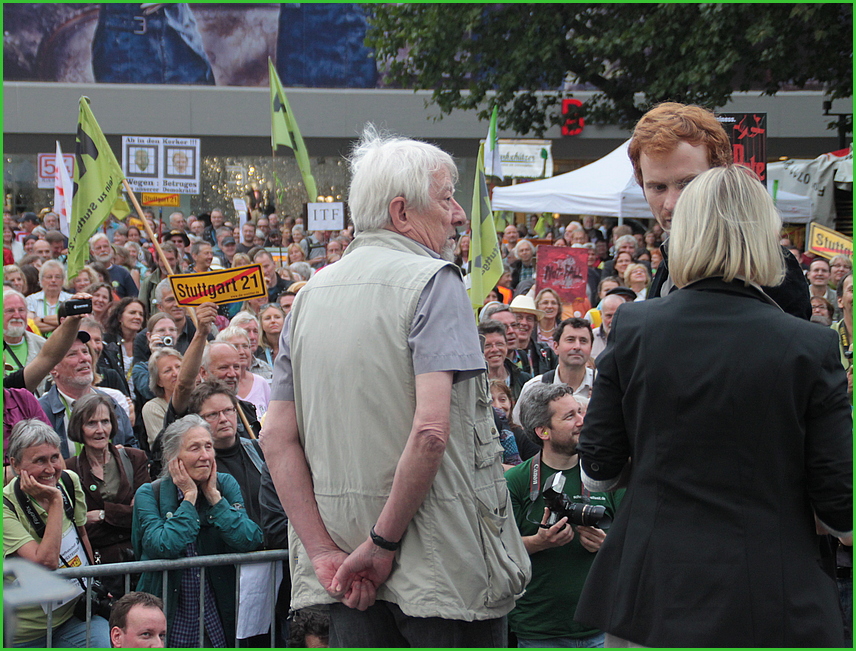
{"x": 607, "y": 188}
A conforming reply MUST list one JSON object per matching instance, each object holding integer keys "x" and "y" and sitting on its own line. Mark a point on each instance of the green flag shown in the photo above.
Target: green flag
{"x": 97, "y": 187}
{"x": 284, "y": 131}
{"x": 542, "y": 224}
{"x": 485, "y": 257}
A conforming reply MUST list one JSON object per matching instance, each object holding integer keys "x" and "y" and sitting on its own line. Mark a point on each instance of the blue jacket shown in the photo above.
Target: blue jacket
{"x": 162, "y": 528}
{"x": 55, "y": 411}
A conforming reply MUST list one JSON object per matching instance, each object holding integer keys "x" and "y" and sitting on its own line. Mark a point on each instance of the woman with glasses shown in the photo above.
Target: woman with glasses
{"x": 249, "y": 323}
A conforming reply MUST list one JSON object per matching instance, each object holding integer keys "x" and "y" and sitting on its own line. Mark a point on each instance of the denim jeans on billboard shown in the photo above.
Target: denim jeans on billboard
{"x": 163, "y": 47}
{"x": 338, "y": 59}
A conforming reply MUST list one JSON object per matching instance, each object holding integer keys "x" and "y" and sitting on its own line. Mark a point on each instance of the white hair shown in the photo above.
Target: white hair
{"x": 725, "y": 224}
{"x": 51, "y": 264}
{"x": 384, "y": 167}
{"x": 244, "y": 317}
{"x": 98, "y": 236}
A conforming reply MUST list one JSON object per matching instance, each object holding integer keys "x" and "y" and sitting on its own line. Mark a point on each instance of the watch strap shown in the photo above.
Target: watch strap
{"x": 383, "y": 543}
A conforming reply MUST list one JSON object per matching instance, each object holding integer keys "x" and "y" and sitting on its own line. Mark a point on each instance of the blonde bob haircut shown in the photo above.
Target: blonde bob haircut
{"x": 725, "y": 224}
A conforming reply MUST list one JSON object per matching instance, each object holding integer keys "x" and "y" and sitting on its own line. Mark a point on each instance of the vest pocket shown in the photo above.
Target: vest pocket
{"x": 488, "y": 449}
{"x": 506, "y": 579}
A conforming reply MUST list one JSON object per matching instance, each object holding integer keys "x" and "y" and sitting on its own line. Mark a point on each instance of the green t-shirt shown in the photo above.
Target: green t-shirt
{"x": 547, "y": 608}
{"x": 20, "y": 351}
{"x": 18, "y": 531}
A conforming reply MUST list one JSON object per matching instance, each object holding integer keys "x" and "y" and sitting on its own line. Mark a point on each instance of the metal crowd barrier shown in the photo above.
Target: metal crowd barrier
{"x": 89, "y": 572}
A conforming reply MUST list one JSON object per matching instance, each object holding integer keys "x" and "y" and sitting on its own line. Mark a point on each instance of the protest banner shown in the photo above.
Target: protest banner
{"x": 826, "y": 242}
{"x": 284, "y": 131}
{"x": 565, "y": 271}
{"x": 485, "y": 257}
{"x": 160, "y": 199}
{"x": 97, "y": 187}
{"x": 220, "y": 287}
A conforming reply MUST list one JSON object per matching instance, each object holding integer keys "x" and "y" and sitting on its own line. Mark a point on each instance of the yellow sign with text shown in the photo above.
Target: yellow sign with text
{"x": 160, "y": 199}
{"x": 826, "y": 242}
{"x": 220, "y": 287}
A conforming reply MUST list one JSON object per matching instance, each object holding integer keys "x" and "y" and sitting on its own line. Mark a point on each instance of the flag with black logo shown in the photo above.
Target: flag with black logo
{"x": 97, "y": 187}
{"x": 284, "y": 131}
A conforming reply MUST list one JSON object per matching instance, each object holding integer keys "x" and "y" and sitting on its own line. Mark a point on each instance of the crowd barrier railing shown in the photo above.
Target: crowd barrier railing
{"x": 89, "y": 572}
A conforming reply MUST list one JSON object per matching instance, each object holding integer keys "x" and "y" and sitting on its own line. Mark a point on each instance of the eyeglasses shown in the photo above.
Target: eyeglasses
{"x": 214, "y": 416}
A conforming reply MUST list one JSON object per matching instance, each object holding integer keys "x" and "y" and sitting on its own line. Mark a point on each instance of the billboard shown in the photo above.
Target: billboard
{"x": 314, "y": 45}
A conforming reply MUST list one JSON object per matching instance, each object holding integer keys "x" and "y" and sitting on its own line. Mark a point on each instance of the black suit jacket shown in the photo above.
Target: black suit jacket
{"x": 792, "y": 295}
{"x": 737, "y": 421}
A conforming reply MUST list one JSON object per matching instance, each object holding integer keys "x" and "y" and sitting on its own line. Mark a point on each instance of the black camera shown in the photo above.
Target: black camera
{"x": 74, "y": 307}
{"x": 102, "y": 601}
{"x": 587, "y": 515}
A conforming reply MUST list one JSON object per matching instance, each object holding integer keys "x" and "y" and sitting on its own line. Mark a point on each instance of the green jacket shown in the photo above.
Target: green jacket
{"x": 163, "y": 530}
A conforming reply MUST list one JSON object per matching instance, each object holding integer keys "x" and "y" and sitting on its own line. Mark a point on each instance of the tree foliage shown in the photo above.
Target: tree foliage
{"x": 529, "y": 54}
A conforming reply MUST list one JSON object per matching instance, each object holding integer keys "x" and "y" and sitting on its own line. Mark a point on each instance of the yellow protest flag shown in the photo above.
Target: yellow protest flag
{"x": 485, "y": 256}
{"x": 97, "y": 187}
{"x": 284, "y": 131}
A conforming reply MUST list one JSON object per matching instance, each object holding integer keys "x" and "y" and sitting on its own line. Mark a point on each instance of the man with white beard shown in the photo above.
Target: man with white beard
{"x": 72, "y": 379}
{"x": 19, "y": 346}
{"x": 102, "y": 251}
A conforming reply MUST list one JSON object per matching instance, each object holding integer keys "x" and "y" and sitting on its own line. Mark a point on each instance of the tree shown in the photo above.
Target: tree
{"x": 528, "y": 53}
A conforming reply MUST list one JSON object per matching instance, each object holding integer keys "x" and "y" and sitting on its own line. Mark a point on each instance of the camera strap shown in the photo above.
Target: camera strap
{"x": 9, "y": 350}
{"x": 30, "y": 511}
{"x": 535, "y": 477}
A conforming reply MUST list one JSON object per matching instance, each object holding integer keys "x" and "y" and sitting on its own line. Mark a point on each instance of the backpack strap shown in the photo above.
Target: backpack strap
{"x": 548, "y": 377}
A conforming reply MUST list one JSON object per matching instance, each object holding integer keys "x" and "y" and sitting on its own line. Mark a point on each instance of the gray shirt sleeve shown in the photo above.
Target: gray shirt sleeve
{"x": 443, "y": 336}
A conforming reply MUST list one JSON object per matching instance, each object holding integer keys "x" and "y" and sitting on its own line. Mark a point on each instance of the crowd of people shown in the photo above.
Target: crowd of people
{"x": 433, "y": 502}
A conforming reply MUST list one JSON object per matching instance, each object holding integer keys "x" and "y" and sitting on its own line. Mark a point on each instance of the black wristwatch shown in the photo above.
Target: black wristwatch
{"x": 383, "y": 543}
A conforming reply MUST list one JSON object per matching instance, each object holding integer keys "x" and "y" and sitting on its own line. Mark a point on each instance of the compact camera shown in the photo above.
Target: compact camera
{"x": 74, "y": 307}
{"x": 168, "y": 341}
{"x": 560, "y": 506}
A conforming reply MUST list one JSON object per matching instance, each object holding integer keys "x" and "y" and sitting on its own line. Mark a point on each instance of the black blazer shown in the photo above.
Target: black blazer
{"x": 736, "y": 418}
{"x": 792, "y": 295}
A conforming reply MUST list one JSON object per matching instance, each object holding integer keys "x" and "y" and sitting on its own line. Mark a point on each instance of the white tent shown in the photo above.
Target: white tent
{"x": 608, "y": 188}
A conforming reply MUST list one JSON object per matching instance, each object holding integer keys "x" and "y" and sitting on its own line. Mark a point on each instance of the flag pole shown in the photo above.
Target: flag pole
{"x": 244, "y": 420}
{"x": 154, "y": 240}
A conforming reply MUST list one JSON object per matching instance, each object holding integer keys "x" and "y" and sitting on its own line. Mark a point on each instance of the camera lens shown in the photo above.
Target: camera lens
{"x": 167, "y": 341}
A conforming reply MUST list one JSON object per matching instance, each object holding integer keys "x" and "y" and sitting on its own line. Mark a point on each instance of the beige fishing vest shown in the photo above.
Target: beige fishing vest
{"x": 462, "y": 556}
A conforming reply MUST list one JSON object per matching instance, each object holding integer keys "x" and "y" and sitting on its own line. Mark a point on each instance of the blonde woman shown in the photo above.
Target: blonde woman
{"x": 637, "y": 278}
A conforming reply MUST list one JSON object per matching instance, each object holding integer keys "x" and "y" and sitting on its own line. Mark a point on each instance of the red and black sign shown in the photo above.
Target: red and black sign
{"x": 748, "y": 133}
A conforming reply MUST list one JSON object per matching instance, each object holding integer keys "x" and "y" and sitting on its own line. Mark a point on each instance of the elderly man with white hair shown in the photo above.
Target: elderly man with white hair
{"x": 398, "y": 513}
{"x": 20, "y": 347}
{"x": 102, "y": 251}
